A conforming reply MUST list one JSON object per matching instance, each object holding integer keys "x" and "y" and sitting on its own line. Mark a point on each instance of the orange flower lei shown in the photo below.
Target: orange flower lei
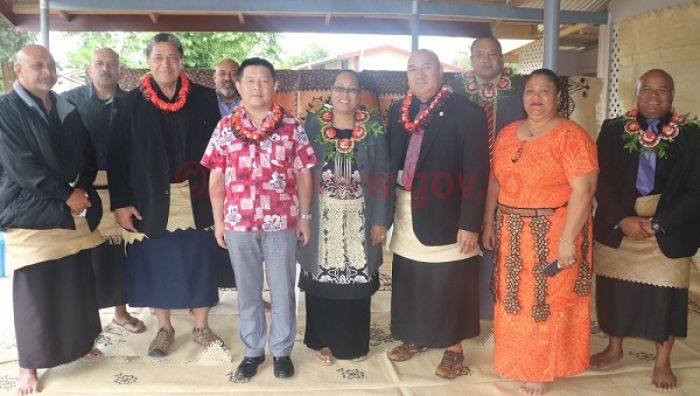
{"x": 422, "y": 118}
{"x": 150, "y": 93}
{"x": 329, "y": 133}
{"x": 635, "y": 138}
{"x": 251, "y": 135}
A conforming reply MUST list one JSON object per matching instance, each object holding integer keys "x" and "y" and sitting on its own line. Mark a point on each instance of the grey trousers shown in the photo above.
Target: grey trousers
{"x": 248, "y": 252}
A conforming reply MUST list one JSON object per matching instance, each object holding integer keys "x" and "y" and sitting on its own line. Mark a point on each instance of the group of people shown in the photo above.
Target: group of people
{"x": 489, "y": 191}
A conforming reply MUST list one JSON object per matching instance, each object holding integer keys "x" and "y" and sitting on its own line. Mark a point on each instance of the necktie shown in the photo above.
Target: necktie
{"x": 647, "y": 163}
{"x": 488, "y": 107}
{"x": 409, "y": 165}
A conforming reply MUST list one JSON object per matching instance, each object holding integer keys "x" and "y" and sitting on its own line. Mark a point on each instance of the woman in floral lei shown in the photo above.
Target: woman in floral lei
{"x": 349, "y": 222}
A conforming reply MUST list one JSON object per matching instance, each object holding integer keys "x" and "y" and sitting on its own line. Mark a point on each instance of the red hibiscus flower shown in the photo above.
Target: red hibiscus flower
{"x": 669, "y": 132}
{"x": 632, "y": 126}
{"x": 344, "y": 145}
{"x": 359, "y": 132}
{"x": 472, "y": 86}
{"x": 503, "y": 84}
{"x": 469, "y": 74}
{"x": 328, "y": 131}
{"x": 648, "y": 139}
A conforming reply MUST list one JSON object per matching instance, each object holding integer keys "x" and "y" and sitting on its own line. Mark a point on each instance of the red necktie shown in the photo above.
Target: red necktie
{"x": 488, "y": 109}
{"x": 409, "y": 165}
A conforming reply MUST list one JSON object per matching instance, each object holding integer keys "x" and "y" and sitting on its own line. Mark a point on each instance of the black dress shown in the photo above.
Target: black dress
{"x": 338, "y": 297}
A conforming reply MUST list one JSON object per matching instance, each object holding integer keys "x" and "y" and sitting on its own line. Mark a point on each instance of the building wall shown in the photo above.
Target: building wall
{"x": 383, "y": 61}
{"x": 649, "y": 34}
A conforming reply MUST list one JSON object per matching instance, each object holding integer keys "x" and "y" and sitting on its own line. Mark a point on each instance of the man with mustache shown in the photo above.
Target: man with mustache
{"x": 95, "y": 103}
{"x": 225, "y": 77}
{"x": 49, "y": 212}
{"x": 646, "y": 224}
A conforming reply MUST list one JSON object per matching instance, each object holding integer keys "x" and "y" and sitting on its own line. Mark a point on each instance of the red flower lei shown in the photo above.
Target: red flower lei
{"x": 150, "y": 93}
{"x": 329, "y": 133}
{"x": 251, "y": 135}
{"x": 423, "y": 118}
{"x": 635, "y": 138}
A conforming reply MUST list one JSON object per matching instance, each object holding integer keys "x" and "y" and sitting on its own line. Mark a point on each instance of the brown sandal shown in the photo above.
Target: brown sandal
{"x": 451, "y": 365}
{"x": 160, "y": 345}
{"x": 405, "y": 351}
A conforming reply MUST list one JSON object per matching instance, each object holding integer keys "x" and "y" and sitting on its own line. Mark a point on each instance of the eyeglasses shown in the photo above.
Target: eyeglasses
{"x": 518, "y": 152}
{"x": 341, "y": 90}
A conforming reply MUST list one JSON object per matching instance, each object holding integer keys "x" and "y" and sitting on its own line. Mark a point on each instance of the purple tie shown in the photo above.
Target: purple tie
{"x": 647, "y": 163}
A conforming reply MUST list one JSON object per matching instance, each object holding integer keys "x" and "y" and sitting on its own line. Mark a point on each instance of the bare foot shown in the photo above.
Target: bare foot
{"x": 663, "y": 378}
{"x": 28, "y": 382}
{"x": 94, "y": 354}
{"x": 325, "y": 356}
{"x": 605, "y": 359}
{"x": 534, "y": 388}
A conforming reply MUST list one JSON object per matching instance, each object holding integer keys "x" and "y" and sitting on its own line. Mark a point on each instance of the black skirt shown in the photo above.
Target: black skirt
{"x": 109, "y": 265}
{"x": 434, "y": 304}
{"x": 631, "y": 309}
{"x": 55, "y": 310}
{"x": 340, "y": 325}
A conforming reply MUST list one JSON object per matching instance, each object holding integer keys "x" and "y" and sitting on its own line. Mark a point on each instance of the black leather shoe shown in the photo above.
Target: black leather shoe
{"x": 283, "y": 367}
{"x": 249, "y": 367}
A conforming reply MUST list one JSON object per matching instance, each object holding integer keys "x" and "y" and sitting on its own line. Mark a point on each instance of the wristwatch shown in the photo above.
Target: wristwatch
{"x": 657, "y": 227}
{"x": 305, "y": 216}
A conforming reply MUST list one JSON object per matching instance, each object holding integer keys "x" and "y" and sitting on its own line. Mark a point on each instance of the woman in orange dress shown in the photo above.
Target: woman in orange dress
{"x": 538, "y": 210}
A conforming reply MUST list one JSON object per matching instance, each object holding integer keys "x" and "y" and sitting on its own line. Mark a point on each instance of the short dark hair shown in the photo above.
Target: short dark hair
{"x": 256, "y": 62}
{"x": 164, "y": 38}
{"x": 352, "y": 73}
{"x": 485, "y": 37}
{"x": 550, "y": 75}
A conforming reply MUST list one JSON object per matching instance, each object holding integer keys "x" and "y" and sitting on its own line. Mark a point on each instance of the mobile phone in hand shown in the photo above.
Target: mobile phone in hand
{"x": 552, "y": 268}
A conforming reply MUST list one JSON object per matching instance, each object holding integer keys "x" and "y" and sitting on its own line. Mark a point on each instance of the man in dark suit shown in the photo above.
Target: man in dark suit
{"x": 646, "y": 225}
{"x": 492, "y": 86}
{"x": 438, "y": 148}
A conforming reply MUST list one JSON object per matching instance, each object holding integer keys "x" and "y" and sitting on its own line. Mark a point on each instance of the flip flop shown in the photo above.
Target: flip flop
{"x": 325, "y": 357}
{"x": 132, "y": 325}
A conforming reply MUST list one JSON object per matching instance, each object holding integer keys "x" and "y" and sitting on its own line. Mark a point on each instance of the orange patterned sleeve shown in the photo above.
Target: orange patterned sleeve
{"x": 579, "y": 154}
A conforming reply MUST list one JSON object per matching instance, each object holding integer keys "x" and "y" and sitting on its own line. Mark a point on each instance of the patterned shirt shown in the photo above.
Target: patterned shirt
{"x": 261, "y": 190}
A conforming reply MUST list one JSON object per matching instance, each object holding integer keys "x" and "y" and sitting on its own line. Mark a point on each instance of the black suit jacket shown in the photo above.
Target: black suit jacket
{"x": 452, "y": 169}
{"x": 138, "y": 168}
{"x": 679, "y": 208}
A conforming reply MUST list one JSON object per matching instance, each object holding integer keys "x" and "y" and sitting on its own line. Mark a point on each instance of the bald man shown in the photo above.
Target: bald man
{"x": 646, "y": 225}
{"x": 438, "y": 147}
{"x": 225, "y": 77}
{"x": 48, "y": 211}
{"x": 95, "y": 103}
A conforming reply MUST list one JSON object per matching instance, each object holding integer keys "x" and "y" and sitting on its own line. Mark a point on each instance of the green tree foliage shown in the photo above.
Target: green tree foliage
{"x": 202, "y": 49}
{"x": 312, "y": 52}
{"x": 10, "y": 42}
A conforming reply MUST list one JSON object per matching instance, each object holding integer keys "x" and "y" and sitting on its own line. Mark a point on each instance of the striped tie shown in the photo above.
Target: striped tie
{"x": 490, "y": 119}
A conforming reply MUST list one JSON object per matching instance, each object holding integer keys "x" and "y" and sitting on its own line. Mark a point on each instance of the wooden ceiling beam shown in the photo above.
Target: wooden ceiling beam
{"x": 153, "y": 16}
{"x": 576, "y": 28}
{"x": 65, "y": 16}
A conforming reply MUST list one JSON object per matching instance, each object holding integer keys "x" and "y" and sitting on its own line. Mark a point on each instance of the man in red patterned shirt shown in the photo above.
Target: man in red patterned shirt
{"x": 260, "y": 189}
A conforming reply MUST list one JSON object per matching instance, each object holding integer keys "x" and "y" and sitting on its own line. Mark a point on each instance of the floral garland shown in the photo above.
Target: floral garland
{"x": 638, "y": 140}
{"x": 329, "y": 138}
{"x": 255, "y": 135}
{"x": 150, "y": 93}
{"x": 423, "y": 118}
{"x": 501, "y": 89}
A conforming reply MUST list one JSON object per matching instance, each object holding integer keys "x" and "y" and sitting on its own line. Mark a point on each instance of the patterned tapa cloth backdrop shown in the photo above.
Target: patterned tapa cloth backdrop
{"x": 301, "y": 91}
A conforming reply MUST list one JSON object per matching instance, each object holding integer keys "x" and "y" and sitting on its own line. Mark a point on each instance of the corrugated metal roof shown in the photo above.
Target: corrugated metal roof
{"x": 573, "y": 5}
